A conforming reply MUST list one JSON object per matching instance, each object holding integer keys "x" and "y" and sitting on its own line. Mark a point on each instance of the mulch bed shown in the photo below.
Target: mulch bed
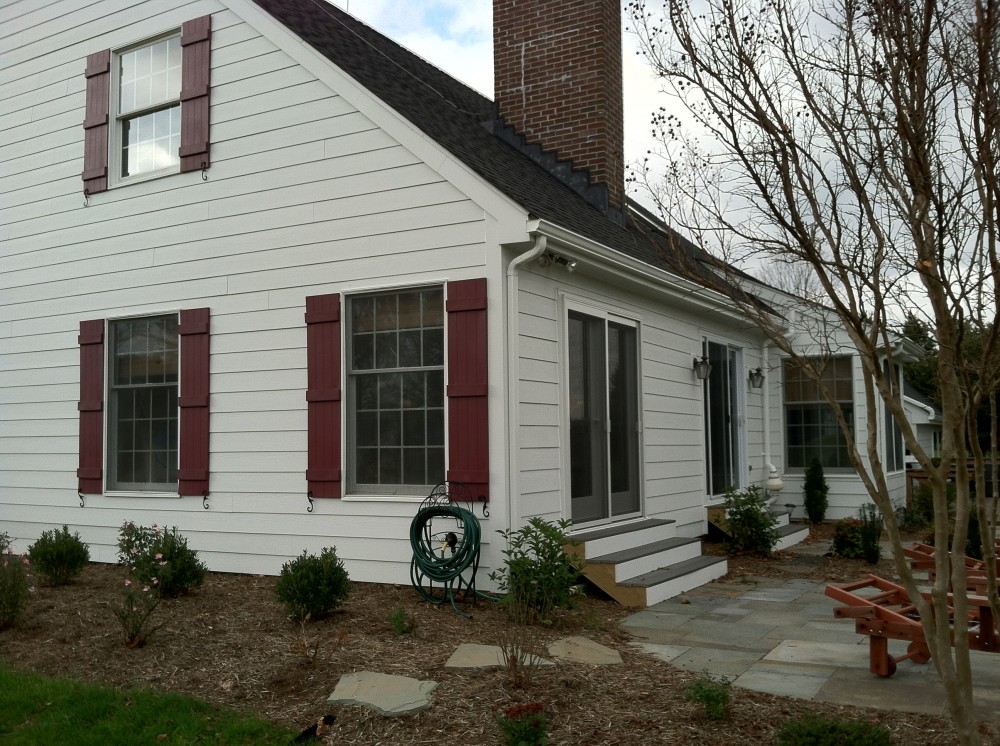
{"x": 231, "y": 643}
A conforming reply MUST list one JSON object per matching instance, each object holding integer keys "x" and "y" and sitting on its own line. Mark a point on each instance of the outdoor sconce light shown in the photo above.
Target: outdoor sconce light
{"x": 549, "y": 259}
{"x": 757, "y": 378}
{"x": 702, "y": 368}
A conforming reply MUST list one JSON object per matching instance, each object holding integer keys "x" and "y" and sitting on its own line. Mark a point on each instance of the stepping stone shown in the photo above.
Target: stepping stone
{"x": 469, "y": 655}
{"x": 387, "y": 695}
{"x": 584, "y": 650}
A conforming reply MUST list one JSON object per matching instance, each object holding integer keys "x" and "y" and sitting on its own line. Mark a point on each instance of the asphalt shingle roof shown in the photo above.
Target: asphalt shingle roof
{"x": 461, "y": 120}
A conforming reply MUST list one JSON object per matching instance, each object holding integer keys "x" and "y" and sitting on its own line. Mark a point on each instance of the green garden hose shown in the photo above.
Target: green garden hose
{"x": 444, "y": 556}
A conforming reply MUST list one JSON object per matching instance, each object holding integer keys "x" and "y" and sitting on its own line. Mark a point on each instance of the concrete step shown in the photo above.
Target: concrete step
{"x": 620, "y": 537}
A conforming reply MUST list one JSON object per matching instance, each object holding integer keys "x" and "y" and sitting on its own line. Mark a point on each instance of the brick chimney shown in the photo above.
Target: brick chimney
{"x": 558, "y": 79}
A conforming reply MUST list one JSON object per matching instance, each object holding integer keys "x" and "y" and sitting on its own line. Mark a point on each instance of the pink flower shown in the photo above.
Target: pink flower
{"x": 156, "y": 581}
{"x": 25, "y": 561}
{"x": 159, "y": 555}
{"x": 128, "y": 581}
{"x": 154, "y": 526}
{"x": 145, "y": 589}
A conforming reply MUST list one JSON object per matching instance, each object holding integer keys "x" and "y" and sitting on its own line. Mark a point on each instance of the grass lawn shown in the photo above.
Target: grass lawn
{"x": 35, "y": 709}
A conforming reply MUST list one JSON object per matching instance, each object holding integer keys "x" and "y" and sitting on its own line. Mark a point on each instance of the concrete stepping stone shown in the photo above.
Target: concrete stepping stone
{"x": 584, "y": 650}
{"x": 469, "y": 655}
{"x": 387, "y": 695}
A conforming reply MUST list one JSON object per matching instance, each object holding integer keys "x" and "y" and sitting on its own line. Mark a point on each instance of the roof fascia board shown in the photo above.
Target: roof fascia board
{"x": 509, "y": 215}
{"x": 677, "y": 288}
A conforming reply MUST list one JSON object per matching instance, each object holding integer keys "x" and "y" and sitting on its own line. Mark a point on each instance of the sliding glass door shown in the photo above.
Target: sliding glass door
{"x": 603, "y": 418}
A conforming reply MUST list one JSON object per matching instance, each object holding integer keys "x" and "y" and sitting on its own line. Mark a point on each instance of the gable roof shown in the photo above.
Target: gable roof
{"x": 463, "y": 122}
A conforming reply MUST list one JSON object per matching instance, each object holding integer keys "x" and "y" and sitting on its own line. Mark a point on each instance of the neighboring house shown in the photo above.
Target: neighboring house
{"x": 307, "y": 276}
{"x": 926, "y": 421}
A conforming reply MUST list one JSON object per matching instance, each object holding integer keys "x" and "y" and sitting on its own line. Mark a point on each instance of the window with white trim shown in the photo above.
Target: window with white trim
{"x": 395, "y": 369}
{"x": 142, "y": 427}
{"x": 811, "y": 427}
{"x": 147, "y": 107}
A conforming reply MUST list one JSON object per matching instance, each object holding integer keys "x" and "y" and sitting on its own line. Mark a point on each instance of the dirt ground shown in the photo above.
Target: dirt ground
{"x": 231, "y": 643}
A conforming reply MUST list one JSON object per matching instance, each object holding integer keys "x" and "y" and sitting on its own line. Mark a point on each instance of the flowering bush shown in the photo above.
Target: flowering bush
{"x": 161, "y": 557}
{"x": 59, "y": 556}
{"x": 133, "y": 610}
{"x": 14, "y": 586}
{"x": 525, "y": 725}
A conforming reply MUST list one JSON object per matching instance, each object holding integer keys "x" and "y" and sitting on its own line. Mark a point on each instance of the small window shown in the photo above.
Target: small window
{"x": 811, "y": 427}
{"x": 148, "y": 111}
{"x": 893, "y": 433}
{"x": 142, "y": 404}
{"x": 395, "y": 365}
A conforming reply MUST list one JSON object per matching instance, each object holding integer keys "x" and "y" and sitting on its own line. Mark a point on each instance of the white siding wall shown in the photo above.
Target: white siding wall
{"x": 670, "y": 334}
{"x": 305, "y": 195}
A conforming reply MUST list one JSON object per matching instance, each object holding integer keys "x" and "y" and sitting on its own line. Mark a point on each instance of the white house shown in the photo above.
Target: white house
{"x": 269, "y": 277}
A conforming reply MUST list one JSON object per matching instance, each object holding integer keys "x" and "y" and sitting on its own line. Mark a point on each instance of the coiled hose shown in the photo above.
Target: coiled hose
{"x": 443, "y": 557}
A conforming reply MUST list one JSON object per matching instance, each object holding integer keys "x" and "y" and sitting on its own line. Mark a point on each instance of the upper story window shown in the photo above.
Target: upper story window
{"x": 148, "y": 108}
{"x": 811, "y": 426}
{"x": 148, "y": 117}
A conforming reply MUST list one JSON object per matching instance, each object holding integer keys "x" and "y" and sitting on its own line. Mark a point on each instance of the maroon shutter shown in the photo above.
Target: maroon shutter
{"x": 95, "y": 123}
{"x": 192, "y": 471}
{"x": 468, "y": 387}
{"x": 323, "y": 394}
{"x": 91, "y": 406}
{"x": 196, "y": 43}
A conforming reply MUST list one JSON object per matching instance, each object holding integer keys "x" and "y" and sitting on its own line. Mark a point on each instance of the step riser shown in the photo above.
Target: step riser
{"x": 621, "y": 542}
{"x": 652, "y": 562}
{"x": 677, "y": 586}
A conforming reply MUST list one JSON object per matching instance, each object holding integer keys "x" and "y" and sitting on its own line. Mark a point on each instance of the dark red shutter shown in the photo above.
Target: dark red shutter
{"x": 95, "y": 123}
{"x": 192, "y": 471}
{"x": 91, "y": 406}
{"x": 323, "y": 394}
{"x": 468, "y": 387}
{"x": 196, "y": 46}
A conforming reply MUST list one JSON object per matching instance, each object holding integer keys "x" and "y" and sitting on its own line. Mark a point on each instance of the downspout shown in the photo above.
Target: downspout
{"x": 513, "y": 368}
{"x": 774, "y": 483}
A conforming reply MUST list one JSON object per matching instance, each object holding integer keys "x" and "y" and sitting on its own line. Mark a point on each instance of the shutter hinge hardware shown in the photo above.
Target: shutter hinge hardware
{"x": 486, "y": 509}
{"x": 309, "y": 497}
{"x": 204, "y": 499}
{"x": 86, "y": 197}
{"x": 82, "y": 503}
{"x": 204, "y": 171}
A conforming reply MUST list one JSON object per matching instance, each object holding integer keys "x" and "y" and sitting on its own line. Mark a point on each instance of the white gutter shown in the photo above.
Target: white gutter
{"x": 513, "y": 370}
{"x": 919, "y": 404}
{"x": 657, "y": 279}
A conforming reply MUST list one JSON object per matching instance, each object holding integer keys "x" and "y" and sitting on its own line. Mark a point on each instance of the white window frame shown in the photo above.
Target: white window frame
{"x": 110, "y": 420}
{"x": 353, "y": 489}
{"x": 116, "y": 118}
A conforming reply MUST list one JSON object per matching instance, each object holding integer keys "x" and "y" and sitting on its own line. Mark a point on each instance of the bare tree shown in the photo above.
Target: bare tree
{"x": 861, "y": 139}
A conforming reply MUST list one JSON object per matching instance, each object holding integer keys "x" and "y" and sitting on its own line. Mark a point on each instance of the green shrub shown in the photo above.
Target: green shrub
{"x": 59, "y": 556}
{"x": 752, "y": 527}
{"x": 815, "y": 730}
{"x": 14, "y": 586}
{"x": 712, "y": 694}
{"x": 847, "y": 538}
{"x": 539, "y": 575}
{"x": 133, "y": 610}
{"x": 910, "y": 519}
{"x": 311, "y": 586}
{"x": 5, "y": 542}
{"x": 814, "y": 492}
{"x": 871, "y": 533}
{"x": 160, "y": 558}
{"x": 525, "y": 725}
{"x": 401, "y": 622}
